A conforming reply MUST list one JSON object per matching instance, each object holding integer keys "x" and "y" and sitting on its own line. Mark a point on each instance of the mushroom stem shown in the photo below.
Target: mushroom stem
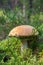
{"x": 24, "y": 45}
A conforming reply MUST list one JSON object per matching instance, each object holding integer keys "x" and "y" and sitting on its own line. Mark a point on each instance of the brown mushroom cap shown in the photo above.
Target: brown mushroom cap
{"x": 23, "y": 30}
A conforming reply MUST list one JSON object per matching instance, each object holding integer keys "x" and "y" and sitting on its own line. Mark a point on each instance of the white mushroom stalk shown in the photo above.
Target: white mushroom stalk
{"x": 24, "y": 45}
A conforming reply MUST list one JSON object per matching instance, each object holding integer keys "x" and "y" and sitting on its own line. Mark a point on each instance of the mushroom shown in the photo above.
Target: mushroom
{"x": 23, "y": 31}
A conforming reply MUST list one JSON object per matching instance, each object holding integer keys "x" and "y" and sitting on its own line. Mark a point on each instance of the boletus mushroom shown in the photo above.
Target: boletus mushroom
{"x": 23, "y": 31}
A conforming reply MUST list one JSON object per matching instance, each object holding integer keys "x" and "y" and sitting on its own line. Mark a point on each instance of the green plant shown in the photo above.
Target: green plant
{"x": 11, "y": 47}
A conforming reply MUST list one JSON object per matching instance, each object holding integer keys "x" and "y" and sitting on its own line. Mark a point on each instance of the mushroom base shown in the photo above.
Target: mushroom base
{"x": 24, "y": 45}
